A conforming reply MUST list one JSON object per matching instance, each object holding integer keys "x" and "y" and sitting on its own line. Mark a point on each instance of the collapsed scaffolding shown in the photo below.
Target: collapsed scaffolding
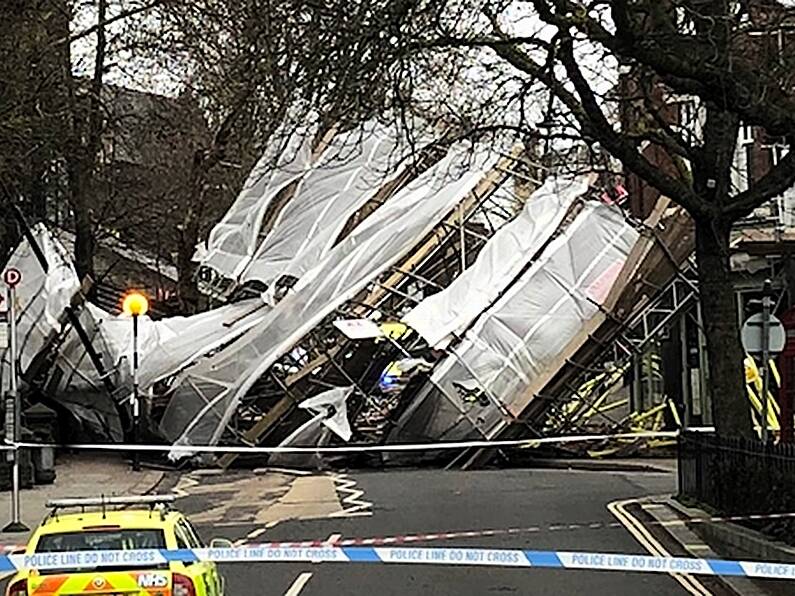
{"x": 450, "y": 292}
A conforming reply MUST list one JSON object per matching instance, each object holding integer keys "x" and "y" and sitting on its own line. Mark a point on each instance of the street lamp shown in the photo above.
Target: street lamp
{"x": 135, "y": 305}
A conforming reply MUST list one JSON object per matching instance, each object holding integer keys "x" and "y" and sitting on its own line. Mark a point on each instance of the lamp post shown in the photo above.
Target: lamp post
{"x": 135, "y": 305}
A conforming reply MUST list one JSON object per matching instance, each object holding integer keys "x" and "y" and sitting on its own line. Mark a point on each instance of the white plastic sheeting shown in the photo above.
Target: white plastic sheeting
{"x": 40, "y": 297}
{"x": 183, "y": 340}
{"x": 350, "y": 173}
{"x": 208, "y": 394}
{"x": 168, "y": 345}
{"x": 445, "y": 315}
{"x": 332, "y": 408}
{"x": 233, "y": 241}
{"x": 524, "y": 332}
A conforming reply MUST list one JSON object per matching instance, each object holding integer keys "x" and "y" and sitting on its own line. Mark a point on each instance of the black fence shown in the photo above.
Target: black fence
{"x": 740, "y": 477}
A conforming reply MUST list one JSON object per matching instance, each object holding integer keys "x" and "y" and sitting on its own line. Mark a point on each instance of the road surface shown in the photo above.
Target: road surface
{"x": 526, "y": 509}
{"x": 514, "y": 509}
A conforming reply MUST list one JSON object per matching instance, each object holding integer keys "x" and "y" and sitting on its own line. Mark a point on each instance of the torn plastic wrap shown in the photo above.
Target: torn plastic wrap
{"x": 478, "y": 385}
{"x": 233, "y": 241}
{"x": 75, "y": 382}
{"x": 41, "y": 297}
{"x": 207, "y": 395}
{"x": 180, "y": 341}
{"x": 330, "y": 418}
{"x": 350, "y": 173}
{"x": 445, "y": 315}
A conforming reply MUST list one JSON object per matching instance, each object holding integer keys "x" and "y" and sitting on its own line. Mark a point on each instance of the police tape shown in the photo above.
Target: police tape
{"x": 393, "y": 447}
{"x": 285, "y": 553}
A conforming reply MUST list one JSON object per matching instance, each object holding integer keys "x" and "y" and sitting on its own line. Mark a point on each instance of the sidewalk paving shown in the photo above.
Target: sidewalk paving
{"x": 701, "y": 535}
{"x": 83, "y": 475}
{"x": 616, "y": 464}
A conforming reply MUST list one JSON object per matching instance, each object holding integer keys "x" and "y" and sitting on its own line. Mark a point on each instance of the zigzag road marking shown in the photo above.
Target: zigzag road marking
{"x": 353, "y": 505}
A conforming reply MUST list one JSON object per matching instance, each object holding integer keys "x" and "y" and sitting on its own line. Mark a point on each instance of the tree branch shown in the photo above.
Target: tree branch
{"x": 686, "y": 61}
{"x": 93, "y": 28}
{"x": 772, "y": 184}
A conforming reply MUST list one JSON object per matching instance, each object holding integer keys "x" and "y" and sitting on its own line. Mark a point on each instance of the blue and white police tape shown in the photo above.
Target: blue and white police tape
{"x": 273, "y": 553}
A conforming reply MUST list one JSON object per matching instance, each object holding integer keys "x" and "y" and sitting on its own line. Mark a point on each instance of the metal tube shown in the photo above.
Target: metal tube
{"x": 766, "y": 302}
{"x": 462, "y": 238}
{"x": 136, "y": 462}
{"x": 13, "y": 417}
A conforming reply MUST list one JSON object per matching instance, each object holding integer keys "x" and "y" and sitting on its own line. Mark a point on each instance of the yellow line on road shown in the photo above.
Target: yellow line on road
{"x": 298, "y": 584}
{"x": 642, "y": 535}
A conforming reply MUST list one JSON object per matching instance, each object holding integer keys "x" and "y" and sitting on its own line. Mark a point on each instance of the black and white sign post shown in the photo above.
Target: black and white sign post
{"x": 766, "y": 303}
{"x": 12, "y": 277}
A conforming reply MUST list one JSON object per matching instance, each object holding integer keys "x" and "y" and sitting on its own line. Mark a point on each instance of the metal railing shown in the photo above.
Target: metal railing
{"x": 739, "y": 477}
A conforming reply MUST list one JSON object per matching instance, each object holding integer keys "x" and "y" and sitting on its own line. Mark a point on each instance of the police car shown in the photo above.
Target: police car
{"x": 147, "y": 522}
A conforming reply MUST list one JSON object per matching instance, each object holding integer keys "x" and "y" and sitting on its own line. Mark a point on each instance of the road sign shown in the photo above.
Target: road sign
{"x": 12, "y": 276}
{"x": 752, "y": 335}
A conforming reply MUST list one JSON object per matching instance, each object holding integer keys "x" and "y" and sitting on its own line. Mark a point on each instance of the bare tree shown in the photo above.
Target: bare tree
{"x": 576, "y": 57}
{"x": 259, "y": 67}
{"x": 250, "y": 66}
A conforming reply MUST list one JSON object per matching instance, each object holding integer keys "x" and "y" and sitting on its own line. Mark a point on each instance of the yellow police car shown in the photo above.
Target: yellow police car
{"x": 146, "y": 522}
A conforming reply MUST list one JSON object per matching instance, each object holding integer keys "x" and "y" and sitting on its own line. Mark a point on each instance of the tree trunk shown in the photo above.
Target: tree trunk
{"x": 187, "y": 291}
{"x": 78, "y": 169}
{"x": 721, "y": 327}
{"x": 85, "y": 246}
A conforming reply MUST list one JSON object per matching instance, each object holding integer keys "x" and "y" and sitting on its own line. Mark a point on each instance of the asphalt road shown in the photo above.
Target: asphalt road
{"x": 515, "y": 509}
{"x": 527, "y": 509}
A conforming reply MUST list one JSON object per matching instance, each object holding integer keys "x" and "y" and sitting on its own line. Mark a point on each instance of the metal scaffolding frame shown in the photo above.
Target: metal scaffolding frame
{"x": 439, "y": 258}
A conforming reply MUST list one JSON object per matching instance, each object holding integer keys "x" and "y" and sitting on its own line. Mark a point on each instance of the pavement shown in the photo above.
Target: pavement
{"x": 628, "y": 464}
{"x": 77, "y": 476}
{"x": 516, "y": 508}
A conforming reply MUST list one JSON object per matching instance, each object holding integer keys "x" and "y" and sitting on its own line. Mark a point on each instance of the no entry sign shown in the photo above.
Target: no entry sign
{"x": 12, "y": 276}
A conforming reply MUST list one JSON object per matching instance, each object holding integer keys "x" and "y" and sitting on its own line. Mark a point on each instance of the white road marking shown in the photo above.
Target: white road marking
{"x": 642, "y": 535}
{"x": 696, "y": 546}
{"x": 208, "y": 472}
{"x": 333, "y": 539}
{"x": 353, "y": 505}
{"x": 254, "y": 534}
{"x": 298, "y": 584}
{"x": 282, "y": 471}
{"x": 184, "y": 485}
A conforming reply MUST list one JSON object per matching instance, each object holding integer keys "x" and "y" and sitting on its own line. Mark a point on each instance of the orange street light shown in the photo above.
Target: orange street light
{"x": 135, "y": 304}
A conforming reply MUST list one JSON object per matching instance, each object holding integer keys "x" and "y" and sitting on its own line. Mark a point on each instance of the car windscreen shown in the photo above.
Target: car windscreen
{"x": 104, "y": 539}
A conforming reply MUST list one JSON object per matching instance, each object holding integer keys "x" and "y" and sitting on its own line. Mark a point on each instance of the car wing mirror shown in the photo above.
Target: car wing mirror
{"x": 221, "y": 543}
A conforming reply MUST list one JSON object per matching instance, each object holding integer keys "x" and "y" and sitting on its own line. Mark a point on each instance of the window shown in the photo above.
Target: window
{"x": 104, "y": 539}
{"x": 190, "y": 534}
{"x": 185, "y": 538}
{"x": 101, "y": 540}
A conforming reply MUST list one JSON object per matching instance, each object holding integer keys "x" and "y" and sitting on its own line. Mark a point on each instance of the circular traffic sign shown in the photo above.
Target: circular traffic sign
{"x": 751, "y": 335}
{"x": 12, "y": 276}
